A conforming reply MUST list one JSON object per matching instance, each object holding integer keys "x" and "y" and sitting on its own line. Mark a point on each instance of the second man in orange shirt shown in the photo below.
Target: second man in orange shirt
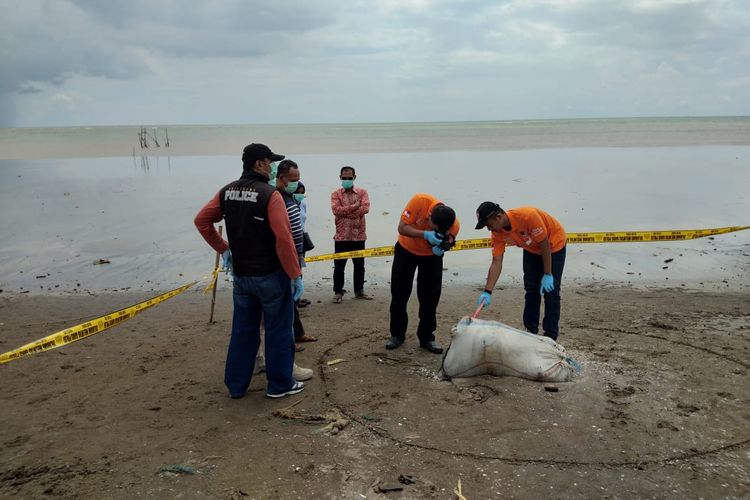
{"x": 543, "y": 240}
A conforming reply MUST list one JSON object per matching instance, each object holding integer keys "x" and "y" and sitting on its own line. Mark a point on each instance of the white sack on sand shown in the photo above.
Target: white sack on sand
{"x": 489, "y": 347}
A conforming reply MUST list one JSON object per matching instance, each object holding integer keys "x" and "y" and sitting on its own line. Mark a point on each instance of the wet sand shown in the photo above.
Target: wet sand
{"x": 662, "y": 408}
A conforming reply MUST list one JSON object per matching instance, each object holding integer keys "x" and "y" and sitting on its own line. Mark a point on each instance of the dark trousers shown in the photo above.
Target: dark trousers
{"x": 299, "y": 330}
{"x": 340, "y": 264}
{"x": 267, "y": 298}
{"x": 533, "y": 270}
{"x": 429, "y": 283}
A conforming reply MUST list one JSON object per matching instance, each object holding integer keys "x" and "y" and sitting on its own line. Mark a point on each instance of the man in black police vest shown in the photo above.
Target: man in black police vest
{"x": 267, "y": 276}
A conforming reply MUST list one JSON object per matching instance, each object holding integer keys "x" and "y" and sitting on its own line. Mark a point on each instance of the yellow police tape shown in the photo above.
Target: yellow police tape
{"x": 89, "y": 328}
{"x": 102, "y": 323}
{"x": 616, "y": 237}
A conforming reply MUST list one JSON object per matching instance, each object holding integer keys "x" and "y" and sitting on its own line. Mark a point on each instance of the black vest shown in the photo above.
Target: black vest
{"x": 244, "y": 204}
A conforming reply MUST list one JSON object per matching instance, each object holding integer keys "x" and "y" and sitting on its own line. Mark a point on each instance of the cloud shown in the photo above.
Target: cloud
{"x": 363, "y": 60}
{"x": 45, "y": 42}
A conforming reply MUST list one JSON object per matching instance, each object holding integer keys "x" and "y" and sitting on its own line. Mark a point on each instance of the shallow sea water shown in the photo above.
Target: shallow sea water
{"x": 60, "y": 216}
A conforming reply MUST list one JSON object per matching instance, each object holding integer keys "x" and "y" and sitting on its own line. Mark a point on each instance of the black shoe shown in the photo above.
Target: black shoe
{"x": 394, "y": 342}
{"x": 431, "y": 346}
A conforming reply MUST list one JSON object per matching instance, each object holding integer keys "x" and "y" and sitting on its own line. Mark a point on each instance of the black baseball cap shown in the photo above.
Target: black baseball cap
{"x": 486, "y": 210}
{"x": 255, "y": 151}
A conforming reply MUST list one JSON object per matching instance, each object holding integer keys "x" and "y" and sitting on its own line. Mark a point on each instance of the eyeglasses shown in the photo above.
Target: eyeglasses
{"x": 347, "y": 178}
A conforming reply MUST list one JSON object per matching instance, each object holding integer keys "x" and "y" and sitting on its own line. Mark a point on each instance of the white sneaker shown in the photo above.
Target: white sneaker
{"x": 302, "y": 374}
{"x": 296, "y": 388}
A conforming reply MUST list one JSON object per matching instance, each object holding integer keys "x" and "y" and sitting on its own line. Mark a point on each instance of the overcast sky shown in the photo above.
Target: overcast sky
{"x": 100, "y": 62}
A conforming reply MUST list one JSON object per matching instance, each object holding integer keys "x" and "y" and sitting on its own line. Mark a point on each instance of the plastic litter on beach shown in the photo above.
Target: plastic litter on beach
{"x": 178, "y": 469}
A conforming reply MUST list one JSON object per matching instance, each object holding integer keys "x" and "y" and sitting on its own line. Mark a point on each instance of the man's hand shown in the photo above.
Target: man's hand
{"x": 484, "y": 299}
{"x": 432, "y": 238}
{"x": 226, "y": 261}
{"x": 298, "y": 288}
{"x": 548, "y": 284}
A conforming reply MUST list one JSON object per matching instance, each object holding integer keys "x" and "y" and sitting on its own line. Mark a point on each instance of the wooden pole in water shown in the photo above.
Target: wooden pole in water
{"x": 213, "y": 292}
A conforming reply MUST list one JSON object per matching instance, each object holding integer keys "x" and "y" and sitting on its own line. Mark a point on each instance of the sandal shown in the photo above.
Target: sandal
{"x": 298, "y": 348}
{"x": 306, "y": 338}
{"x": 363, "y": 296}
{"x": 338, "y": 299}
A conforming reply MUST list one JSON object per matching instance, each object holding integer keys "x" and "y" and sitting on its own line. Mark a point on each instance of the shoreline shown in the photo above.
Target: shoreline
{"x": 70, "y": 215}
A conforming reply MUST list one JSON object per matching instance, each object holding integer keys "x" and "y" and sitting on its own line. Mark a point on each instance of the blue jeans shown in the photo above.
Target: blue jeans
{"x": 533, "y": 270}
{"x": 270, "y": 298}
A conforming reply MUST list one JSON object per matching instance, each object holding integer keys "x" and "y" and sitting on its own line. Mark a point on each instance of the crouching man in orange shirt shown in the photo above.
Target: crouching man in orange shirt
{"x": 426, "y": 230}
{"x": 543, "y": 240}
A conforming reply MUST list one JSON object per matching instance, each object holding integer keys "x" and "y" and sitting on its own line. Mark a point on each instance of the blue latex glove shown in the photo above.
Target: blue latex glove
{"x": 298, "y": 288}
{"x": 484, "y": 297}
{"x": 438, "y": 251}
{"x": 432, "y": 238}
{"x": 548, "y": 284}
{"x": 226, "y": 261}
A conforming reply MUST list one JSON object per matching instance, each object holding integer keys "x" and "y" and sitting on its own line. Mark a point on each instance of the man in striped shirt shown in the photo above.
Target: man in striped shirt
{"x": 287, "y": 181}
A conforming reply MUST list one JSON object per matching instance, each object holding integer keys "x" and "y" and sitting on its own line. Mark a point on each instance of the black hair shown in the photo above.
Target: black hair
{"x": 300, "y": 186}
{"x": 284, "y": 167}
{"x": 354, "y": 172}
{"x": 443, "y": 217}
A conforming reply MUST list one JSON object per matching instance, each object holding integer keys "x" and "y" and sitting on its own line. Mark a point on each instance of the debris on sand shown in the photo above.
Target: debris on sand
{"x": 380, "y": 487}
{"x": 99, "y": 262}
{"x": 458, "y": 493}
{"x": 336, "y": 421}
{"x": 175, "y": 469}
{"x": 334, "y": 427}
{"x": 189, "y": 468}
{"x": 406, "y": 479}
{"x": 661, "y": 324}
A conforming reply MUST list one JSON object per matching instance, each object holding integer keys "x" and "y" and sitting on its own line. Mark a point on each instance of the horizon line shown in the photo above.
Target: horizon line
{"x": 277, "y": 124}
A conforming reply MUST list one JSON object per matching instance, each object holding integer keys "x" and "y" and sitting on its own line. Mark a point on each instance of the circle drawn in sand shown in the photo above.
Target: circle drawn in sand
{"x": 634, "y": 404}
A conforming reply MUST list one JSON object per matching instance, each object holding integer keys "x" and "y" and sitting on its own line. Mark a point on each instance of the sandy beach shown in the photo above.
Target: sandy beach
{"x": 660, "y": 410}
{"x": 140, "y": 411}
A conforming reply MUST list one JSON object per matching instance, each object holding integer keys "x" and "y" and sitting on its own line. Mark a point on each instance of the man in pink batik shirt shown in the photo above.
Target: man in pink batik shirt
{"x": 349, "y": 205}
